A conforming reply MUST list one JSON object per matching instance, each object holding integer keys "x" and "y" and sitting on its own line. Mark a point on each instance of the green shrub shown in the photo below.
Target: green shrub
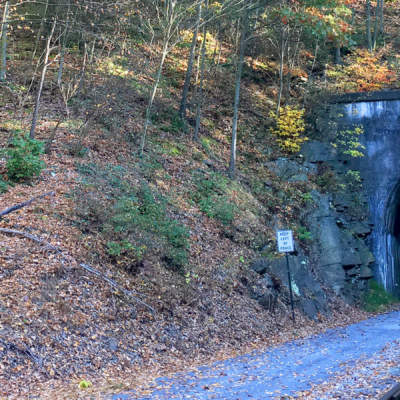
{"x": 303, "y": 234}
{"x": 133, "y": 221}
{"x": 211, "y": 197}
{"x": 3, "y": 185}
{"x": 23, "y": 159}
{"x": 377, "y": 298}
{"x": 218, "y": 207}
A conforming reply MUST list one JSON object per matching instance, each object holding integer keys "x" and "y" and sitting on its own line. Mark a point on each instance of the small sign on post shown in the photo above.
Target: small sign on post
{"x": 286, "y": 245}
{"x": 285, "y": 241}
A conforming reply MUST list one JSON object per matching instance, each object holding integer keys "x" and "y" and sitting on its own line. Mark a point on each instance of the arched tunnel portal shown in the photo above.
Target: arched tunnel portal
{"x": 380, "y": 170}
{"x": 392, "y": 233}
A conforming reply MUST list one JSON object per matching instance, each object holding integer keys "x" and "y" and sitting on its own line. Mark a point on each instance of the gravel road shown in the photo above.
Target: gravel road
{"x": 355, "y": 362}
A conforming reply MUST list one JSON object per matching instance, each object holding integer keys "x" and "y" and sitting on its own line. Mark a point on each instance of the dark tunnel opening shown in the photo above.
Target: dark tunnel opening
{"x": 393, "y": 236}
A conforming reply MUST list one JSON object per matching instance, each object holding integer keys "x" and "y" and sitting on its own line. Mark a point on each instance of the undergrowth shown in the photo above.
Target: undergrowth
{"x": 377, "y": 298}
{"x": 133, "y": 220}
{"x": 211, "y": 196}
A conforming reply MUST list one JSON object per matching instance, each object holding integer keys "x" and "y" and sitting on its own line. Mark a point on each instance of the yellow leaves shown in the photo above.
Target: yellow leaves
{"x": 289, "y": 128}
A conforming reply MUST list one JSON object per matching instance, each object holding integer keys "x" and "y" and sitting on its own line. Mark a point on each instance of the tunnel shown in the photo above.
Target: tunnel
{"x": 380, "y": 170}
{"x": 392, "y": 233}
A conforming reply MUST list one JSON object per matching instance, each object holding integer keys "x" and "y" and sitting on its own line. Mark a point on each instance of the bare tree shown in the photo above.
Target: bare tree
{"x": 4, "y": 28}
{"x": 239, "y": 70}
{"x": 42, "y": 79}
{"x": 368, "y": 24}
{"x": 186, "y": 85}
{"x": 200, "y": 98}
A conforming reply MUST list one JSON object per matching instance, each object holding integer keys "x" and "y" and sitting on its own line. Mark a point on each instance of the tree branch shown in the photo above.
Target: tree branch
{"x": 24, "y": 204}
{"x": 88, "y": 268}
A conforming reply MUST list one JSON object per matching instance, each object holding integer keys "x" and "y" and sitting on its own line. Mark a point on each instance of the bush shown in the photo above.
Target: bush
{"x": 218, "y": 207}
{"x": 3, "y": 185}
{"x": 303, "y": 234}
{"x": 377, "y": 298}
{"x": 134, "y": 221}
{"x": 23, "y": 159}
{"x": 211, "y": 197}
{"x": 289, "y": 128}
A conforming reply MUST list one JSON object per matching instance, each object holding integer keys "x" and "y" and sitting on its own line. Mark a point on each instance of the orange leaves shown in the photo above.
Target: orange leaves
{"x": 363, "y": 71}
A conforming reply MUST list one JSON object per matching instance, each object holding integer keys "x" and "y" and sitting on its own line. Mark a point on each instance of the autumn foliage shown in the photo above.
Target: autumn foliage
{"x": 363, "y": 72}
{"x": 289, "y": 128}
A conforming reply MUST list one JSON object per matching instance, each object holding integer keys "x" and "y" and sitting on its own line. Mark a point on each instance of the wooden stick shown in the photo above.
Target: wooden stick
{"x": 86, "y": 267}
{"x": 30, "y": 237}
{"x": 23, "y": 204}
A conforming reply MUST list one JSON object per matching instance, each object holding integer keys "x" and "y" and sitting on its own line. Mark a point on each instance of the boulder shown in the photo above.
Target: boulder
{"x": 291, "y": 170}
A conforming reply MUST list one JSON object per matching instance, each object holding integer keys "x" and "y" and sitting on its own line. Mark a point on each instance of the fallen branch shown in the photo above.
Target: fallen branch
{"x": 27, "y": 235}
{"x": 24, "y": 204}
{"x": 88, "y": 268}
{"x": 25, "y": 352}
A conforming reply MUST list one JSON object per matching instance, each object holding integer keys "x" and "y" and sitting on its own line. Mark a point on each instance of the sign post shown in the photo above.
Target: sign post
{"x": 286, "y": 245}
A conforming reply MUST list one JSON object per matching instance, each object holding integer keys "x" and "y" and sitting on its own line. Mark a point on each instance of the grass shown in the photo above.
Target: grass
{"x": 377, "y": 298}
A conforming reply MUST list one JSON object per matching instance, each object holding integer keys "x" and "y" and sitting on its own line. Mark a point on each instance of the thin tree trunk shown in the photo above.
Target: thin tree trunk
{"x": 381, "y": 18}
{"x": 368, "y": 24}
{"x": 40, "y": 30}
{"x": 4, "y": 27}
{"x": 315, "y": 57}
{"x": 153, "y": 95}
{"x": 376, "y": 25}
{"x": 242, "y": 47}
{"x": 281, "y": 63}
{"x": 202, "y": 71}
{"x": 186, "y": 85}
{"x": 338, "y": 57}
{"x": 39, "y": 92}
{"x": 63, "y": 46}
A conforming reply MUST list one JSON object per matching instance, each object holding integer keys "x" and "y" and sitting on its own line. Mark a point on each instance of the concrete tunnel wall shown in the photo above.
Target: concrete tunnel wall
{"x": 380, "y": 170}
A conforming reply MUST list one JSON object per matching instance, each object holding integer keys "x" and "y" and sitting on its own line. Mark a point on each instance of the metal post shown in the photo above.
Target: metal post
{"x": 290, "y": 287}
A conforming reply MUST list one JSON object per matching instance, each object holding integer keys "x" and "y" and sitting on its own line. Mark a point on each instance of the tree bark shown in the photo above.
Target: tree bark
{"x": 167, "y": 37}
{"x": 242, "y": 47}
{"x": 4, "y": 28}
{"x": 186, "y": 85}
{"x": 368, "y": 24}
{"x": 200, "y": 99}
{"x": 282, "y": 50}
{"x": 42, "y": 79}
{"x": 63, "y": 47}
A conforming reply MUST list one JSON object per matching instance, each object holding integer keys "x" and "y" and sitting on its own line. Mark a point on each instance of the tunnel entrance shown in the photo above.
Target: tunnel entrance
{"x": 380, "y": 170}
{"x": 392, "y": 224}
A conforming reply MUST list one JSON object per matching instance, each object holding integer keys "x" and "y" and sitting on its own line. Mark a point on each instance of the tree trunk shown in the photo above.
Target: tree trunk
{"x": 381, "y": 19}
{"x": 281, "y": 64}
{"x": 43, "y": 76}
{"x": 338, "y": 57}
{"x": 153, "y": 94}
{"x": 242, "y": 47}
{"x": 4, "y": 27}
{"x": 368, "y": 24}
{"x": 186, "y": 85}
{"x": 376, "y": 25}
{"x": 62, "y": 51}
{"x": 200, "y": 99}
{"x": 40, "y": 30}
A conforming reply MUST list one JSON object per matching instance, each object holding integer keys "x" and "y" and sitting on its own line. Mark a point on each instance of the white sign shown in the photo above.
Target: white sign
{"x": 285, "y": 241}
